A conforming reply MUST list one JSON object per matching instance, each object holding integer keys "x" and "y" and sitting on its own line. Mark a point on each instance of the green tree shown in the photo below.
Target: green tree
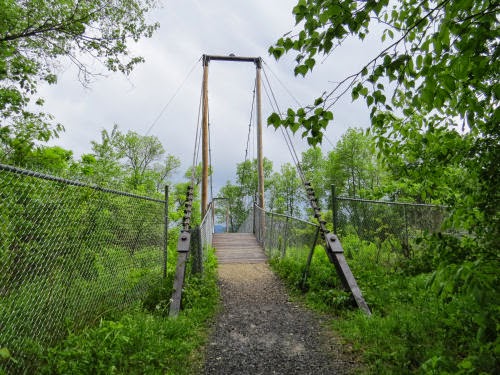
{"x": 247, "y": 176}
{"x": 53, "y": 159}
{"x": 102, "y": 166}
{"x": 353, "y": 166}
{"x": 19, "y": 140}
{"x": 286, "y": 192}
{"x": 164, "y": 171}
{"x": 436, "y": 79}
{"x": 233, "y": 201}
{"x": 36, "y": 36}
{"x": 139, "y": 153}
{"x": 442, "y": 61}
{"x": 313, "y": 164}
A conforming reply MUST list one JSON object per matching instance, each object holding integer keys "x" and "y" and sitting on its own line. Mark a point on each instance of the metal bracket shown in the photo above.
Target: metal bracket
{"x": 183, "y": 243}
{"x": 334, "y": 243}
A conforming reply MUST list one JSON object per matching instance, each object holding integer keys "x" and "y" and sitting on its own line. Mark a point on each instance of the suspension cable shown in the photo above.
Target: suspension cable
{"x": 285, "y": 132}
{"x": 282, "y": 85}
{"x": 172, "y": 97}
{"x": 294, "y": 98}
{"x": 196, "y": 151}
{"x": 250, "y": 122}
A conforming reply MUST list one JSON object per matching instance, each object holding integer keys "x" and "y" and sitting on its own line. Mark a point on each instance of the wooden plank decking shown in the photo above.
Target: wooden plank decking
{"x": 237, "y": 248}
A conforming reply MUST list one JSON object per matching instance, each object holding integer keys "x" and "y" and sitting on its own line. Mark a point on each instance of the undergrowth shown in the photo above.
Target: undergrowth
{"x": 414, "y": 329}
{"x": 143, "y": 340}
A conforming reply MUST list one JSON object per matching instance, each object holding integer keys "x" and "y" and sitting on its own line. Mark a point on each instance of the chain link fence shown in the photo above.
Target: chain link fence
{"x": 392, "y": 225}
{"x": 284, "y": 236}
{"x": 207, "y": 230}
{"x": 70, "y": 253}
{"x": 248, "y": 224}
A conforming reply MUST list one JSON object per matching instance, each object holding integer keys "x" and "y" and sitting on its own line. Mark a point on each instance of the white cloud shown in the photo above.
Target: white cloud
{"x": 189, "y": 29}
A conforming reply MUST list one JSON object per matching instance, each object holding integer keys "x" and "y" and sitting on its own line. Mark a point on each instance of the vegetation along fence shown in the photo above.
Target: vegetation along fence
{"x": 69, "y": 253}
{"x": 284, "y": 235}
{"x": 393, "y": 229}
{"x": 391, "y": 226}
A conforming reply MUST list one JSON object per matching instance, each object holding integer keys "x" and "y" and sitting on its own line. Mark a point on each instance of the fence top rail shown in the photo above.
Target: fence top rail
{"x": 287, "y": 217}
{"x": 43, "y": 176}
{"x": 390, "y": 203}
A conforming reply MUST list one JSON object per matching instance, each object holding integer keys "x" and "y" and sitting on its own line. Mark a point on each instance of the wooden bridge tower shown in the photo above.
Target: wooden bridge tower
{"x": 205, "y": 147}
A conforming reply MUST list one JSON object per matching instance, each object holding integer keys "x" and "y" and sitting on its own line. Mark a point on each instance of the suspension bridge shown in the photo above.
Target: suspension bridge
{"x": 238, "y": 248}
{"x": 74, "y": 251}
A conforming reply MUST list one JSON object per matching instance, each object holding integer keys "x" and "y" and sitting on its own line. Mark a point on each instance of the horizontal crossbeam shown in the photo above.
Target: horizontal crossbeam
{"x": 256, "y": 60}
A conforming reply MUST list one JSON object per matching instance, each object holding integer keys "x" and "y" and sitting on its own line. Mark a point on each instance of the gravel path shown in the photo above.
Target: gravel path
{"x": 259, "y": 331}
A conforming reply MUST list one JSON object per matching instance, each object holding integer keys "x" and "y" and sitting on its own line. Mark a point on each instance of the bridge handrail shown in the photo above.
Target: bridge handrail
{"x": 207, "y": 228}
{"x": 289, "y": 217}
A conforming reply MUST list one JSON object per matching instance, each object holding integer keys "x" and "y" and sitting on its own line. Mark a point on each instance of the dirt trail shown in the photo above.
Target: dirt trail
{"x": 260, "y": 331}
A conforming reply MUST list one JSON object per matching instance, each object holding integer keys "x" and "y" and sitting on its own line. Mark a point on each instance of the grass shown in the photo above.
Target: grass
{"x": 413, "y": 330}
{"x": 144, "y": 340}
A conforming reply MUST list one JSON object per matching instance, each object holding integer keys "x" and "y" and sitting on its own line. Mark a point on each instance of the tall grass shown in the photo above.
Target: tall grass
{"x": 142, "y": 340}
{"x": 413, "y": 330}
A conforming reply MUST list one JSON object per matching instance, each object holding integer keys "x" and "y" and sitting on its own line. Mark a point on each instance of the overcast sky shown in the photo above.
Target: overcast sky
{"x": 188, "y": 30}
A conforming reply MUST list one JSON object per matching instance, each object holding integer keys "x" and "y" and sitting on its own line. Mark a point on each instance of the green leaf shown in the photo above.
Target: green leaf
{"x": 354, "y": 94}
{"x": 328, "y": 115}
{"x": 420, "y": 60}
{"x": 277, "y": 52}
{"x": 301, "y": 69}
{"x": 294, "y": 127}
{"x": 274, "y": 119}
{"x": 310, "y": 63}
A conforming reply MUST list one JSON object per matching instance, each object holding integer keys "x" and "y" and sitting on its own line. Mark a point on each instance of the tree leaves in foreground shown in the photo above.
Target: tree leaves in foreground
{"x": 37, "y": 37}
{"x": 433, "y": 92}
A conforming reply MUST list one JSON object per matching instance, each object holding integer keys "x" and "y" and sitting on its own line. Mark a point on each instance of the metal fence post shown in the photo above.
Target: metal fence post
{"x": 165, "y": 235}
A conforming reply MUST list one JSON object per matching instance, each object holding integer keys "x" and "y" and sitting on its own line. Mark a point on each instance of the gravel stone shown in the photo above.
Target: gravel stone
{"x": 260, "y": 331}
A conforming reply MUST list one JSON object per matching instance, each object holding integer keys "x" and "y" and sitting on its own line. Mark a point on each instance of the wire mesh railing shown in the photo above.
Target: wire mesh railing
{"x": 395, "y": 226}
{"x": 207, "y": 230}
{"x": 283, "y": 235}
{"x": 248, "y": 224}
{"x": 69, "y": 253}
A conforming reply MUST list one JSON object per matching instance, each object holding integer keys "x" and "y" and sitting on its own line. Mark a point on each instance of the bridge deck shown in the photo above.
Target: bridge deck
{"x": 237, "y": 248}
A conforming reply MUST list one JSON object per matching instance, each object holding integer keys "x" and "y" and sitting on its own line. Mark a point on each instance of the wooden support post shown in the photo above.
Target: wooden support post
{"x": 260, "y": 154}
{"x": 260, "y": 157}
{"x": 204, "y": 136}
{"x": 180, "y": 272}
{"x": 335, "y": 253}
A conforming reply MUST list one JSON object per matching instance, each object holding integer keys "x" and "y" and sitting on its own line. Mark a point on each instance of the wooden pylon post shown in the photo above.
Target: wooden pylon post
{"x": 204, "y": 136}
{"x": 205, "y": 147}
{"x": 260, "y": 157}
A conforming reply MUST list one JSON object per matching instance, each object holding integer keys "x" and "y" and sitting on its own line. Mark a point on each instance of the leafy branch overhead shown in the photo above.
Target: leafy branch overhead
{"x": 441, "y": 57}
{"x": 37, "y": 36}
{"x": 433, "y": 93}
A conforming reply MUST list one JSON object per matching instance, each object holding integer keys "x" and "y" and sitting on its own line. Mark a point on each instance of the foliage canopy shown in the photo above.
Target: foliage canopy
{"x": 37, "y": 35}
{"x": 433, "y": 93}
